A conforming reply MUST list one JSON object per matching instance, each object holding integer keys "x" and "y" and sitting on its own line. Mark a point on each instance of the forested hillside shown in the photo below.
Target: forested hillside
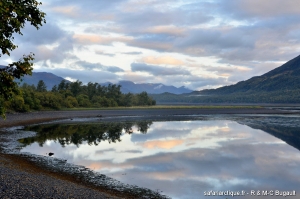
{"x": 283, "y": 78}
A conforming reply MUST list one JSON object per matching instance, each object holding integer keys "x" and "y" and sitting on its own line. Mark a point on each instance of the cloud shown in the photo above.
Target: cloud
{"x": 202, "y": 83}
{"x": 49, "y": 33}
{"x": 69, "y": 10}
{"x": 84, "y": 75}
{"x": 158, "y": 70}
{"x": 49, "y": 43}
{"x": 166, "y": 144}
{"x": 163, "y": 60}
{"x": 226, "y": 156}
{"x": 151, "y": 44}
{"x": 163, "y": 13}
{"x": 168, "y": 30}
{"x": 89, "y": 39}
{"x": 100, "y": 52}
{"x": 133, "y": 151}
{"x": 77, "y": 10}
{"x": 238, "y": 38}
{"x": 92, "y": 66}
{"x": 132, "y": 53}
{"x": 259, "y": 9}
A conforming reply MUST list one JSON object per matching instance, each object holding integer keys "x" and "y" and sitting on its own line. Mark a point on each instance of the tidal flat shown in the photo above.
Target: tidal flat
{"x": 183, "y": 155}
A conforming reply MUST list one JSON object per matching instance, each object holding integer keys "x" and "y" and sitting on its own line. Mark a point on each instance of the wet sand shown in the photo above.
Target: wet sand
{"x": 21, "y": 178}
{"x": 20, "y": 119}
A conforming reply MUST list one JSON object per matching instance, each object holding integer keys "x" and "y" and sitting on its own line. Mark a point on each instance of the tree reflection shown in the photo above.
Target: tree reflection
{"x": 92, "y": 133}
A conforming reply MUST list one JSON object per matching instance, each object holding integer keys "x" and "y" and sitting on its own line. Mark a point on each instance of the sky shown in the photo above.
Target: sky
{"x": 198, "y": 44}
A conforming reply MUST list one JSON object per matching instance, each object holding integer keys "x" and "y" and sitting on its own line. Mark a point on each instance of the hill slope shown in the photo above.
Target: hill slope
{"x": 49, "y": 78}
{"x": 128, "y": 86}
{"x": 285, "y": 77}
{"x": 281, "y": 85}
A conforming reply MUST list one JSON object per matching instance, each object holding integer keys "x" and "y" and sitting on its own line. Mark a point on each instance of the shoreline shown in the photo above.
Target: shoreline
{"x": 22, "y": 119}
{"x": 28, "y": 166}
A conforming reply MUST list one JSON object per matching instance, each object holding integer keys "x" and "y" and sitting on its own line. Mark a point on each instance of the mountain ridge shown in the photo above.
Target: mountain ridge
{"x": 127, "y": 86}
{"x": 284, "y": 77}
{"x": 280, "y": 85}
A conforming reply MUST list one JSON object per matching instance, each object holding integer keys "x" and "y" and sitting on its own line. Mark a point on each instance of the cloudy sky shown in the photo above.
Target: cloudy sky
{"x": 194, "y": 43}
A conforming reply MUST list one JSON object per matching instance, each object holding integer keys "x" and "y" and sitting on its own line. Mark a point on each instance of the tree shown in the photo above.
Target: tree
{"x": 54, "y": 89}
{"x": 41, "y": 86}
{"x": 75, "y": 87}
{"x": 13, "y": 16}
{"x": 61, "y": 85}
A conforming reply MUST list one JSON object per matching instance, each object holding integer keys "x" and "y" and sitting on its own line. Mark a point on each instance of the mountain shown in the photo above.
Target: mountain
{"x": 49, "y": 78}
{"x": 128, "y": 86}
{"x": 285, "y": 77}
{"x": 281, "y": 85}
{"x": 158, "y": 88}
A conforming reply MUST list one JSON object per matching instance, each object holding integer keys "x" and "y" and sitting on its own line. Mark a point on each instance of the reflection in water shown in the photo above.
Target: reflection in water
{"x": 67, "y": 134}
{"x": 284, "y": 128}
{"x": 181, "y": 158}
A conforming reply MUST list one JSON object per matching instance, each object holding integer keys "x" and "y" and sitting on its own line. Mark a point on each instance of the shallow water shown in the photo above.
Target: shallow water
{"x": 182, "y": 159}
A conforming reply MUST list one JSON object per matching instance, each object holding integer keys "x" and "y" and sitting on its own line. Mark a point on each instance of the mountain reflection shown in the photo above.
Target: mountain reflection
{"x": 286, "y": 129}
{"x": 92, "y": 133}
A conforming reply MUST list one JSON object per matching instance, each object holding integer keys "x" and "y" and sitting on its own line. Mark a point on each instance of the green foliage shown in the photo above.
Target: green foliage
{"x": 50, "y": 100}
{"x": 73, "y": 95}
{"x": 128, "y": 99}
{"x": 8, "y": 87}
{"x": 83, "y": 100}
{"x": 18, "y": 104}
{"x": 143, "y": 99}
{"x": 41, "y": 86}
{"x": 30, "y": 98}
{"x": 54, "y": 89}
{"x": 71, "y": 102}
{"x": 62, "y": 86}
{"x": 75, "y": 87}
{"x": 13, "y": 17}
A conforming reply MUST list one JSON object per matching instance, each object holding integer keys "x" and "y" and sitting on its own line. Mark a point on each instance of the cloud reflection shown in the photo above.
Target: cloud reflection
{"x": 168, "y": 144}
{"x": 214, "y": 155}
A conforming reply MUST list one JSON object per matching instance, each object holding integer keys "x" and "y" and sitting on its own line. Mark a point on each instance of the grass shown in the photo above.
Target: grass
{"x": 160, "y": 107}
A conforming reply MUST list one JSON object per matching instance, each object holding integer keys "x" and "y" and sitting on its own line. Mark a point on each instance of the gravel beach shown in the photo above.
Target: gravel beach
{"x": 21, "y": 178}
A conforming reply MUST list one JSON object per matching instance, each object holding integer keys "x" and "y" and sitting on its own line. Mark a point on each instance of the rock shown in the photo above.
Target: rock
{"x": 50, "y": 154}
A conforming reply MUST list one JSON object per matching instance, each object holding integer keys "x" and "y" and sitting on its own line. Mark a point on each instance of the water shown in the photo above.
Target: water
{"x": 182, "y": 159}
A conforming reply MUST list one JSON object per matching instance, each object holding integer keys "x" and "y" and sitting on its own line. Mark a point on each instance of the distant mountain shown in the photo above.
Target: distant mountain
{"x": 285, "y": 77}
{"x": 49, "y": 78}
{"x": 281, "y": 85}
{"x": 128, "y": 86}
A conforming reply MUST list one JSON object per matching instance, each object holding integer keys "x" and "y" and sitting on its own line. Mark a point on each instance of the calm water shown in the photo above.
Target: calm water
{"x": 183, "y": 159}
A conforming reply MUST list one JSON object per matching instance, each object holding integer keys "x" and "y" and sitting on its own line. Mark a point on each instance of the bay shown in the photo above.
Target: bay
{"x": 182, "y": 159}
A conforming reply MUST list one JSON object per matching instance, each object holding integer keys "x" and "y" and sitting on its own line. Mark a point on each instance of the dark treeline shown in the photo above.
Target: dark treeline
{"x": 74, "y": 94}
{"x": 282, "y": 96}
{"x": 92, "y": 133}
